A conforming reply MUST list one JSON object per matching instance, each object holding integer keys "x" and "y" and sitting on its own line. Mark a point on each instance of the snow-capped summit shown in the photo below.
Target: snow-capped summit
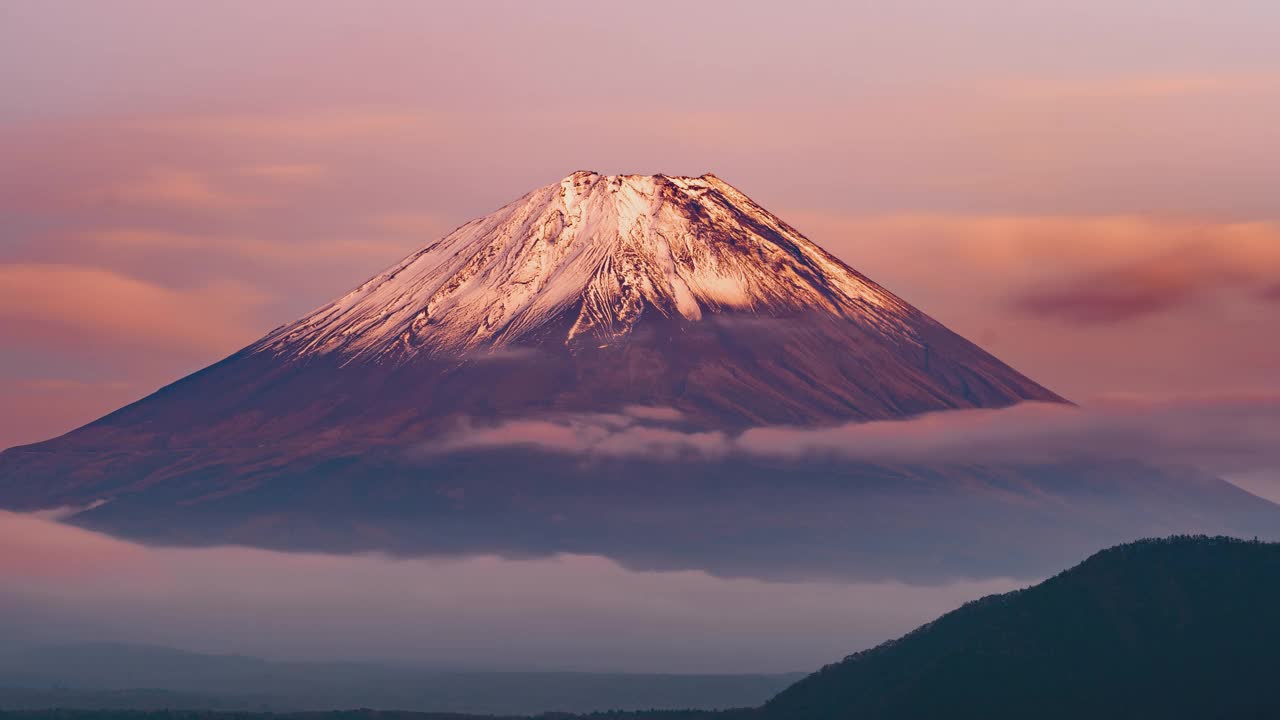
{"x": 592, "y": 255}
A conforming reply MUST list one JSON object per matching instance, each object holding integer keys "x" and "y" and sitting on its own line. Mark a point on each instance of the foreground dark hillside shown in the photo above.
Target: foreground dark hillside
{"x": 1177, "y": 628}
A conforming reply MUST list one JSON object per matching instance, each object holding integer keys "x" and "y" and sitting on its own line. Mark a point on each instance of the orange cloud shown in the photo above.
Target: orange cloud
{"x": 1039, "y": 251}
{"x": 83, "y": 307}
{"x": 1110, "y": 297}
{"x": 322, "y": 125}
{"x": 253, "y": 249}
{"x": 1199, "y": 261}
{"x": 173, "y": 188}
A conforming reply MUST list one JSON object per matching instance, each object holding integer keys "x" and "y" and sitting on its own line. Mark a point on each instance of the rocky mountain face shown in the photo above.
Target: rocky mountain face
{"x": 675, "y": 300}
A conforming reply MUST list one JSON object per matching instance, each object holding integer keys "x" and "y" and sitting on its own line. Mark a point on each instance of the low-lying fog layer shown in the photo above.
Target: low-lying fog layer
{"x": 63, "y": 584}
{"x": 1230, "y": 435}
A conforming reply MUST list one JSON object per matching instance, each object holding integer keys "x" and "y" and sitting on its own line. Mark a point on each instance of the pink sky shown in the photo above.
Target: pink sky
{"x": 1087, "y": 190}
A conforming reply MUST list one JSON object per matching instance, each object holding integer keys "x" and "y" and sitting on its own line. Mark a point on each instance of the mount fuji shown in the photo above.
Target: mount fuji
{"x": 663, "y": 299}
{"x": 650, "y": 290}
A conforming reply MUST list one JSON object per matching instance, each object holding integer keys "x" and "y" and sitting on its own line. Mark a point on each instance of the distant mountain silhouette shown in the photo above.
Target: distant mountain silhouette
{"x": 1187, "y": 627}
{"x": 120, "y": 676}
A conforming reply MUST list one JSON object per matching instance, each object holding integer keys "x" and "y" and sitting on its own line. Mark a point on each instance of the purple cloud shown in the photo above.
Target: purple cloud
{"x": 1112, "y": 297}
{"x": 1220, "y": 433}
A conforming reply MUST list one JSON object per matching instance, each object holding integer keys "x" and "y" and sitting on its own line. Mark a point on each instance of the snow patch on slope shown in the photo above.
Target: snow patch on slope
{"x": 597, "y": 253}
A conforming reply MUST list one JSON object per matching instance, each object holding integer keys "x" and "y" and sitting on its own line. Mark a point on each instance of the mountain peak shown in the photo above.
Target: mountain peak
{"x": 592, "y": 256}
{"x": 592, "y": 294}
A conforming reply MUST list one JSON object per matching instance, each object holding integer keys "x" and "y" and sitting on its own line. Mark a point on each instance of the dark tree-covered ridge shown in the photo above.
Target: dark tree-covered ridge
{"x": 1184, "y": 627}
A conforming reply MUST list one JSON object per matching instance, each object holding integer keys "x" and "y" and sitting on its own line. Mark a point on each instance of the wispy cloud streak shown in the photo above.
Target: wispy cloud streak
{"x": 1224, "y": 434}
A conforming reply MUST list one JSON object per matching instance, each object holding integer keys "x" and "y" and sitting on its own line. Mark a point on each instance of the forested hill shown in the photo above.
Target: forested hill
{"x": 1186, "y": 627}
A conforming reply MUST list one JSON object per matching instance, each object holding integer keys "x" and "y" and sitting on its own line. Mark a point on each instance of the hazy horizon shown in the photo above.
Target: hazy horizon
{"x": 565, "y": 612}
